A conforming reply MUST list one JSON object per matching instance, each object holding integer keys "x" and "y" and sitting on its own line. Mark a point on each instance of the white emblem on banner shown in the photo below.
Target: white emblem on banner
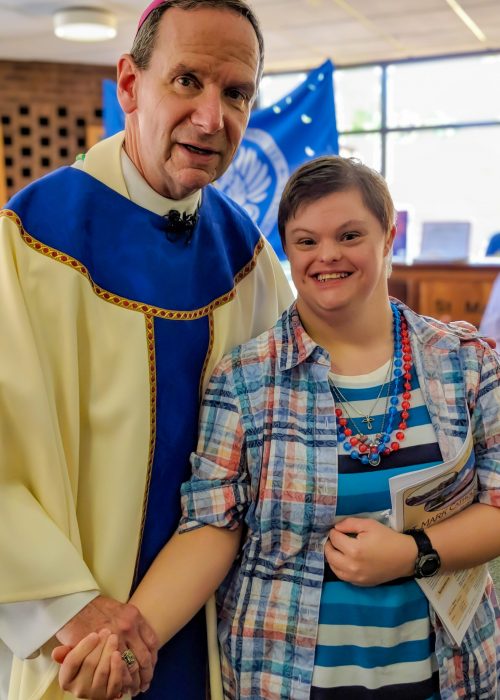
{"x": 256, "y": 178}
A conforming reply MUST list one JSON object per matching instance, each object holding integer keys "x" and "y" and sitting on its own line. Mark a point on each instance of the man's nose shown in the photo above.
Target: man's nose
{"x": 208, "y": 114}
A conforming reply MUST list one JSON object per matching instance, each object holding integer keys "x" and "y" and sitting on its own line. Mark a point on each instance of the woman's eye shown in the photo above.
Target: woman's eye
{"x": 350, "y": 236}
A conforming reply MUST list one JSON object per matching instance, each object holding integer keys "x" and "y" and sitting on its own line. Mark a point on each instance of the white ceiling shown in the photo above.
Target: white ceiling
{"x": 298, "y": 33}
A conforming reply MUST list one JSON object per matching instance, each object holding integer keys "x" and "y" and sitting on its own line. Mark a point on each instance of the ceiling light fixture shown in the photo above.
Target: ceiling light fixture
{"x": 84, "y": 24}
{"x": 468, "y": 21}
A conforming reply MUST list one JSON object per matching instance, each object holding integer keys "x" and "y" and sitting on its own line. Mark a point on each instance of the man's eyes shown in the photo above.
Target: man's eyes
{"x": 186, "y": 80}
{"x": 238, "y": 95}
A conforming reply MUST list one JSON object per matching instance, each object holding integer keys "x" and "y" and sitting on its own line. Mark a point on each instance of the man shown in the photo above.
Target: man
{"x": 123, "y": 281}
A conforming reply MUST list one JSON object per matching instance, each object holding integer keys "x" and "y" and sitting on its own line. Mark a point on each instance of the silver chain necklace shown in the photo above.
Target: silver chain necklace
{"x": 366, "y": 417}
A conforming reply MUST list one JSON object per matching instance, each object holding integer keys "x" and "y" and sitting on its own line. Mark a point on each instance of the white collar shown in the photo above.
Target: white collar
{"x": 143, "y": 194}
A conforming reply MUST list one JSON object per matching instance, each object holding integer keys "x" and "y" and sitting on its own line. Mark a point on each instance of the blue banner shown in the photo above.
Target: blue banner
{"x": 112, "y": 114}
{"x": 278, "y": 139}
{"x": 297, "y": 128}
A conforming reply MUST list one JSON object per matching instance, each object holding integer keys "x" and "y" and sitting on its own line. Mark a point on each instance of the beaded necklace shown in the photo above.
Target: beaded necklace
{"x": 370, "y": 448}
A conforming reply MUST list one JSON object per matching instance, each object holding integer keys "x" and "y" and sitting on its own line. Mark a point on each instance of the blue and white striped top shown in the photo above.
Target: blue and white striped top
{"x": 376, "y": 643}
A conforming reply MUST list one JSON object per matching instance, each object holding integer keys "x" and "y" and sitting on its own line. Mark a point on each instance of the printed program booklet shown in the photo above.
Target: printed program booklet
{"x": 423, "y": 498}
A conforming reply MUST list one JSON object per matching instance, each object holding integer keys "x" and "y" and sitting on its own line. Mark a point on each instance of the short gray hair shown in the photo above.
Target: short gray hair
{"x": 145, "y": 39}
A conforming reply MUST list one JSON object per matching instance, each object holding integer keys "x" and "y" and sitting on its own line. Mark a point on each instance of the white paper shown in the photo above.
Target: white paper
{"x": 423, "y": 498}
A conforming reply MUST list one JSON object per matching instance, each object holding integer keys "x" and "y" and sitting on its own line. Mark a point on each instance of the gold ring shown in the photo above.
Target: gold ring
{"x": 128, "y": 657}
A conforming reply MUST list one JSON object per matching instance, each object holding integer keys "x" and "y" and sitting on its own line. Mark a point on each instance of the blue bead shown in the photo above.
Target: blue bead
{"x": 386, "y": 438}
{"x": 347, "y": 446}
{"x": 364, "y": 459}
{"x": 392, "y": 410}
{"x": 398, "y": 363}
{"x": 394, "y": 400}
{"x": 355, "y": 454}
{"x": 398, "y": 372}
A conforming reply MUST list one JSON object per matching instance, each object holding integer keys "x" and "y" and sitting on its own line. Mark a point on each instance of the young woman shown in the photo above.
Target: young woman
{"x": 300, "y": 430}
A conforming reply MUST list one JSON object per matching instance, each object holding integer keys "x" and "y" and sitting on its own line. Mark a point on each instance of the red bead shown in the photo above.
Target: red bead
{"x": 407, "y": 366}
{"x": 400, "y": 435}
{"x": 407, "y": 386}
{"x": 373, "y": 450}
{"x": 386, "y": 451}
{"x": 338, "y": 412}
{"x": 405, "y": 404}
{"x": 406, "y": 395}
{"x": 394, "y": 446}
{"x": 407, "y": 357}
{"x": 354, "y": 441}
{"x": 363, "y": 448}
{"x": 405, "y": 415}
{"x": 407, "y": 375}
{"x": 347, "y": 432}
{"x": 343, "y": 421}
{"x": 402, "y": 426}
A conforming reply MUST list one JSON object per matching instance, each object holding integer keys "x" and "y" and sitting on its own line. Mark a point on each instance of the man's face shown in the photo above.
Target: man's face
{"x": 187, "y": 112}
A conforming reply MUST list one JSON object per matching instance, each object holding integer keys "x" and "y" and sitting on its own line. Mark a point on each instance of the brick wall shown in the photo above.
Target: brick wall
{"x": 47, "y": 112}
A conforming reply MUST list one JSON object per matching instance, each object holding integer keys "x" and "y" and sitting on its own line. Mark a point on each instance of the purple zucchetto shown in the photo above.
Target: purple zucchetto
{"x": 149, "y": 9}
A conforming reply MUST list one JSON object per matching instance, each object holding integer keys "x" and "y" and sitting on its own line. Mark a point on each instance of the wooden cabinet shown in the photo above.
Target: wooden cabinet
{"x": 449, "y": 292}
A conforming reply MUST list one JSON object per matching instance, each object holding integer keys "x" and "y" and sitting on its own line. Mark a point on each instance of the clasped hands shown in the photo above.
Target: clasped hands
{"x": 361, "y": 551}
{"x": 93, "y": 642}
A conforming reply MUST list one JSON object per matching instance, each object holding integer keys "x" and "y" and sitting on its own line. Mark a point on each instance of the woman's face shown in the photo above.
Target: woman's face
{"x": 338, "y": 255}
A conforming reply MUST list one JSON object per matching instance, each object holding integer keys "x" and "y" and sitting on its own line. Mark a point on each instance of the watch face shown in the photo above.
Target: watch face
{"x": 428, "y": 565}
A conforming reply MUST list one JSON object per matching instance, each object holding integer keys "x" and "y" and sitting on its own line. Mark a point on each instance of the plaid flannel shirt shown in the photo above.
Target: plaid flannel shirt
{"x": 267, "y": 458}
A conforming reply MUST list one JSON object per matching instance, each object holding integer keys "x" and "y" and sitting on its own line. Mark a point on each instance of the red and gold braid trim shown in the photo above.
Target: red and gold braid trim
{"x": 170, "y": 314}
{"x": 150, "y": 337}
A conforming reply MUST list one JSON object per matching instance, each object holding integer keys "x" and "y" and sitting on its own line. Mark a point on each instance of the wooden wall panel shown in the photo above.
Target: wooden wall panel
{"x": 447, "y": 292}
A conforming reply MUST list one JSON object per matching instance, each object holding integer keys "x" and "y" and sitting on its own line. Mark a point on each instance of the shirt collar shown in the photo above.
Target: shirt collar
{"x": 296, "y": 345}
{"x": 145, "y": 196}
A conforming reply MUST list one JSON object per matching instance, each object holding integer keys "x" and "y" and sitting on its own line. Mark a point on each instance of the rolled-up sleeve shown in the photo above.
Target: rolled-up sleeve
{"x": 218, "y": 491}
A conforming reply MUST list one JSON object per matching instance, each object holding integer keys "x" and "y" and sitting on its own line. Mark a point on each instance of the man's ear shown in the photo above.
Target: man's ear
{"x": 127, "y": 74}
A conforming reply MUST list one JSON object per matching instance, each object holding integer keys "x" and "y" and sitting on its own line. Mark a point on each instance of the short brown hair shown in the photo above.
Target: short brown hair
{"x": 145, "y": 39}
{"x": 323, "y": 176}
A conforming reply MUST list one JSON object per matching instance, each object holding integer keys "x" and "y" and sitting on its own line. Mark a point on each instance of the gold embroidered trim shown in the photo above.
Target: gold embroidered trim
{"x": 209, "y": 352}
{"x": 169, "y": 314}
{"x": 150, "y": 338}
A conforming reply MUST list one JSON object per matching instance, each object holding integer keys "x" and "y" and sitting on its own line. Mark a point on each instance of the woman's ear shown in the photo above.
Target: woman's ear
{"x": 126, "y": 83}
{"x": 390, "y": 240}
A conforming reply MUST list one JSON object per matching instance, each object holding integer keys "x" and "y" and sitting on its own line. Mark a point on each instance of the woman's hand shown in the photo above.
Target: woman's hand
{"x": 365, "y": 552}
{"x": 94, "y": 668}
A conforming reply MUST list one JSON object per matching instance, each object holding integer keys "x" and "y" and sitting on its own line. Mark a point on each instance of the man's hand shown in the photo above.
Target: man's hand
{"x": 132, "y": 630}
{"x": 365, "y": 552}
{"x": 466, "y": 326}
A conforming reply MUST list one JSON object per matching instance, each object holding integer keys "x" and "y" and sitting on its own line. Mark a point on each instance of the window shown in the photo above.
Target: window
{"x": 432, "y": 127}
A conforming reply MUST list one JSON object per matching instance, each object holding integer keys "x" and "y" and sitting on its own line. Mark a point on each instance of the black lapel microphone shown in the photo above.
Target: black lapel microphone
{"x": 180, "y": 227}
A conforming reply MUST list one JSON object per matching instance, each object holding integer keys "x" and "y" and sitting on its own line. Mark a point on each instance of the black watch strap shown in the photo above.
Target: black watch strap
{"x": 427, "y": 562}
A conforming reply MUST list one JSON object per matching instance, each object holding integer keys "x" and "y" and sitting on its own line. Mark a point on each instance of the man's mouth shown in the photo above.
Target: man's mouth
{"x": 198, "y": 150}
{"x": 325, "y": 277}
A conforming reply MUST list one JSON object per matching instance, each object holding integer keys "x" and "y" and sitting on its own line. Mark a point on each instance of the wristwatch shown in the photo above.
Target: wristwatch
{"x": 427, "y": 562}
